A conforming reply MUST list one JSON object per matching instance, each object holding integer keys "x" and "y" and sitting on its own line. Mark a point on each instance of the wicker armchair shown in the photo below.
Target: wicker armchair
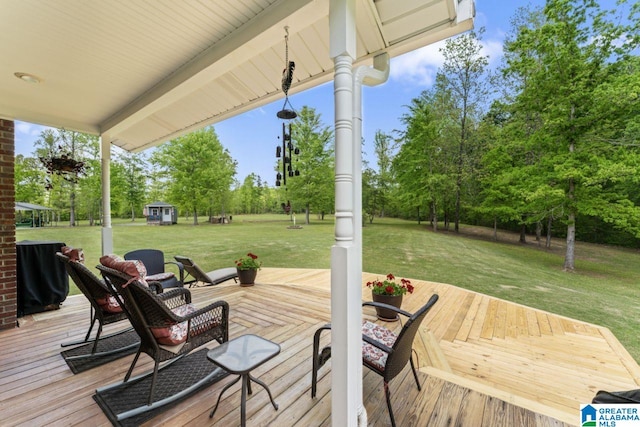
{"x": 384, "y": 352}
{"x": 96, "y": 291}
{"x": 150, "y": 313}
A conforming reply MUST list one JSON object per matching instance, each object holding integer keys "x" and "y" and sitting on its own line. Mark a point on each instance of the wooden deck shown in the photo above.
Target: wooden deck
{"x": 484, "y": 362}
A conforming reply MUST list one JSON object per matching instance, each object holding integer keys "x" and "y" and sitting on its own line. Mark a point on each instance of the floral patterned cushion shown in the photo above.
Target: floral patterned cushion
{"x": 371, "y": 355}
{"x": 109, "y": 304}
{"x": 134, "y": 268}
{"x": 176, "y": 333}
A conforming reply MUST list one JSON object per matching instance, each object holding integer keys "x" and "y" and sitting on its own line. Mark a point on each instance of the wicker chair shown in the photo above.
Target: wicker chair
{"x": 149, "y": 312}
{"x": 384, "y": 352}
{"x": 96, "y": 291}
{"x": 153, "y": 260}
{"x": 199, "y": 276}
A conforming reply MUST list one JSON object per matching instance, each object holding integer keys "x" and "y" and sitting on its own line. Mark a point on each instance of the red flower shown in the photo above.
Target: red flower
{"x": 390, "y": 286}
{"x": 249, "y": 262}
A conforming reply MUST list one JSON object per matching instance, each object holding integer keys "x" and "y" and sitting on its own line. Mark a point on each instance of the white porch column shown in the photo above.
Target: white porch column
{"x": 107, "y": 231}
{"x": 346, "y": 291}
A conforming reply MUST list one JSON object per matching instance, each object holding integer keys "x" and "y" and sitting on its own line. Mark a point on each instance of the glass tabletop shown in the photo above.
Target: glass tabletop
{"x": 241, "y": 355}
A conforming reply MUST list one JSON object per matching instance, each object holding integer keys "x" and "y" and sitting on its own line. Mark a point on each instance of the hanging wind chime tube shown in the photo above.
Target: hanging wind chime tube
{"x": 287, "y": 151}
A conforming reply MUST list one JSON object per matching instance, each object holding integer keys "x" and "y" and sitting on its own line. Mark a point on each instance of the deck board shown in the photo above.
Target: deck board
{"x": 496, "y": 363}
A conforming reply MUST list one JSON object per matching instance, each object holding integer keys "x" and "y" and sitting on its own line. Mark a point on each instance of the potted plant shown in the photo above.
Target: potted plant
{"x": 248, "y": 267}
{"x": 389, "y": 292}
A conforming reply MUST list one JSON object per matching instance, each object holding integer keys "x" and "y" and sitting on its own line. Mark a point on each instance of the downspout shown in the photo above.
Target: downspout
{"x": 370, "y": 76}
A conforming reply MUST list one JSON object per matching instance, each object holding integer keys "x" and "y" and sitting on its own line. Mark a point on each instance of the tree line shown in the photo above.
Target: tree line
{"x": 546, "y": 143}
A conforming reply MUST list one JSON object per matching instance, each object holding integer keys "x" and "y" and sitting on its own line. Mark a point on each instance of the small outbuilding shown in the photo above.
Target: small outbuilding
{"x": 31, "y": 215}
{"x": 161, "y": 213}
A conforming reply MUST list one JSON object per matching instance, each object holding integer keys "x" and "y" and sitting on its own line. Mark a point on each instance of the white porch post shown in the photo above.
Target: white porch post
{"x": 346, "y": 291}
{"x": 107, "y": 231}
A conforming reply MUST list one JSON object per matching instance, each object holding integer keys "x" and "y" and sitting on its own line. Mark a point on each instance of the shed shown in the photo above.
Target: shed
{"x": 161, "y": 213}
{"x": 36, "y": 215}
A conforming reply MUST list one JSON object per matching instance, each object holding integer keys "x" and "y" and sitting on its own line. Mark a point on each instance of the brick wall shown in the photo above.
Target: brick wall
{"x": 8, "y": 287}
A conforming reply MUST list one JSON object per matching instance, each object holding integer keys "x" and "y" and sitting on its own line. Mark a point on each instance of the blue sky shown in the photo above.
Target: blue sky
{"x": 252, "y": 137}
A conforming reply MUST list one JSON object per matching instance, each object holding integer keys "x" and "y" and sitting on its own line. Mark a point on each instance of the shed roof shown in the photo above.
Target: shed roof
{"x": 23, "y": 206}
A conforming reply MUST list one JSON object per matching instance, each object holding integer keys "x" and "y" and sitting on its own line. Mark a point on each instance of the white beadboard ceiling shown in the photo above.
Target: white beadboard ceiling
{"x": 142, "y": 72}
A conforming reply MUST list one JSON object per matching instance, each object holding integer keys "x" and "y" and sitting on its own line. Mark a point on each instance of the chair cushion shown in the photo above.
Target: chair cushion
{"x": 109, "y": 304}
{"x": 160, "y": 276}
{"x": 74, "y": 254}
{"x": 176, "y": 333}
{"x": 134, "y": 268}
{"x": 371, "y": 355}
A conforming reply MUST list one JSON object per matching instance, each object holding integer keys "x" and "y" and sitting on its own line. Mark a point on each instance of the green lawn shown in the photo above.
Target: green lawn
{"x": 603, "y": 290}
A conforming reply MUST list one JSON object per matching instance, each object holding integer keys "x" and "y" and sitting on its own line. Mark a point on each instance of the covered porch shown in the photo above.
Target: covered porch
{"x": 483, "y": 362}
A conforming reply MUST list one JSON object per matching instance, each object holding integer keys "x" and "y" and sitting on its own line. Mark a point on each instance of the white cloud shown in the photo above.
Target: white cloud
{"x": 419, "y": 67}
{"x": 493, "y": 49}
{"x": 25, "y": 135}
{"x": 28, "y": 129}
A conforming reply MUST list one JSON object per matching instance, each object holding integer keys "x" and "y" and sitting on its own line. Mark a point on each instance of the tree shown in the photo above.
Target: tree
{"x": 382, "y": 145}
{"x": 250, "y": 194}
{"x": 134, "y": 181}
{"x": 29, "y": 177}
{"x": 89, "y": 187}
{"x": 462, "y": 79}
{"x": 422, "y": 167}
{"x": 568, "y": 65}
{"x": 73, "y": 145}
{"x": 199, "y": 169}
{"x": 314, "y": 185}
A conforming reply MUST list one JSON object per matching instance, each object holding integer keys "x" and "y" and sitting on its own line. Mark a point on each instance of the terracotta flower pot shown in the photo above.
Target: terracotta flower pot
{"x": 384, "y": 313}
{"x": 247, "y": 277}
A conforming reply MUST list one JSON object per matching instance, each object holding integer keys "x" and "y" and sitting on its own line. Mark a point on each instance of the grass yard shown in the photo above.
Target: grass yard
{"x": 603, "y": 290}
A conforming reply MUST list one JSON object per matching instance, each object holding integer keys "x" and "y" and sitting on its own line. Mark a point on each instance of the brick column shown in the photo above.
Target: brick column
{"x": 8, "y": 286}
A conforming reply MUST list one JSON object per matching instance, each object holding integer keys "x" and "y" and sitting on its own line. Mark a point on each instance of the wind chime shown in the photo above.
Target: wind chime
{"x": 287, "y": 150}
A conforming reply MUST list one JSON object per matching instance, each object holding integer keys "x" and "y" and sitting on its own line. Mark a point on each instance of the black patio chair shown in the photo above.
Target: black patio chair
{"x": 153, "y": 260}
{"x": 384, "y": 352}
{"x": 199, "y": 276}
{"x": 153, "y": 316}
{"x": 102, "y": 310}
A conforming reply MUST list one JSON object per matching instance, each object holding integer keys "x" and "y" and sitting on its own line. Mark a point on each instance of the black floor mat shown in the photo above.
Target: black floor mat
{"x": 171, "y": 380}
{"x": 107, "y": 344}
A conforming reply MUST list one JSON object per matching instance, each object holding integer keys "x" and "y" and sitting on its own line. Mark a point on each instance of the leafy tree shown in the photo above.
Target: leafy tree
{"x": 314, "y": 185}
{"x": 382, "y": 145}
{"x": 89, "y": 186}
{"x": 74, "y": 145}
{"x": 250, "y": 195}
{"x": 421, "y": 166}
{"x": 567, "y": 66}
{"x": 200, "y": 171}
{"x": 462, "y": 80}
{"x": 29, "y": 177}
{"x": 134, "y": 181}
